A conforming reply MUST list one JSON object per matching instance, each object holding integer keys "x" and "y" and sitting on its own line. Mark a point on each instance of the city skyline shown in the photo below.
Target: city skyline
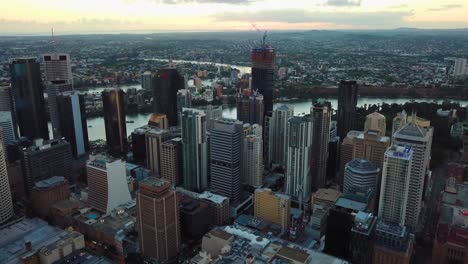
{"x": 86, "y": 16}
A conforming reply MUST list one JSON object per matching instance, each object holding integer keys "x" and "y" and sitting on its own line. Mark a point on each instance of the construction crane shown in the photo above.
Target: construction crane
{"x": 263, "y": 32}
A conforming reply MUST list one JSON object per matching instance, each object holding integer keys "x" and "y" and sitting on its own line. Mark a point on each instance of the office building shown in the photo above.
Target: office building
{"x": 7, "y": 128}
{"x": 172, "y": 160}
{"x": 114, "y": 119}
{"x": 460, "y": 67}
{"x": 158, "y": 220}
{"x": 58, "y": 79}
{"x": 250, "y": 107}
{"x": 333, "y": 158}
{"x": 6, "y": 202}
{"x": 278, "y": 144}
{"x": 158, "y": 120}
{"x": 393, "y": 243}
{"x": 72, "y": 120}
{"x": 184, "y": 99}
{"x": 212, "y": 114}
{"x": 420, "y": 141}
{"x": 194, "y": 145}
{"x": 226, "y": 158}
{"x": 165, "y": 84}
{"x": 347, "y": 101}
{"x": 146, "y": 79}
{"x": 395, "y": 186}
{"x": 366, "y": 145}
{"x": 263, "y": 73}
{"x": 253, "y": 160}
{"x": 29, "y": 98}
{"x": 376, "y": 122}
{"x": 298, "y": 180}
{"x": 362, "y": 238}
{"x": 273, "y": 207}
{"x": 321, "y": 117}
{"x": 107, "y": 183}
{"x": 46, "y": 193}
{"x": 7, "y": 104}
{"x": 362, "y": 173}
{"x": 219, "y": 205}
{"x": 46, "y": 159}
{"x": 196, "y": 217}
{"x": 138, "y": 137}
{"x": 154, "y": 138}
{"x": 399, "y": 121}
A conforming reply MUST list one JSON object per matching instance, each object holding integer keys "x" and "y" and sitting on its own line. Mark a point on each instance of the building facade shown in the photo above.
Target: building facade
{"x": 376, "y": 122}
{"x": 165, "y": 84}
{"x": 274, "y": 207}
{"x": 6, "y": 202}
{"x": 321, "y": 118}
{"x": 253, "y": 160}
{"x": 154, "y": 139}
{"x": 347, "y": 101}
{"x": 278, "y": 135}
{"x": 250, "y": 108}
{"x": 263, "y": 73}
{"x": 171, "y": 161}
{"x": 361, "y": 173}
{"x": 115, "y": 123}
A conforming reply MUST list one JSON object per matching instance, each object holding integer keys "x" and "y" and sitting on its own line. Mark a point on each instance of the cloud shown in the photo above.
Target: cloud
{"x": 445, "y": 8}
{"x": 177, "y": 2}
{"x": 374, "y": 19}
{"x": 343, "y": 2}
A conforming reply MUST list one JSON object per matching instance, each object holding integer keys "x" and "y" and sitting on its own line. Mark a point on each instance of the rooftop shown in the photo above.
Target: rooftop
{"x": 350, "y": 204}
{"x": 215, "y": 198}
{"x": 330, "y": 195}
{"x": 399, "y": 152}
{"x": 362, "y": 166}
{"x": 50, "y": 182}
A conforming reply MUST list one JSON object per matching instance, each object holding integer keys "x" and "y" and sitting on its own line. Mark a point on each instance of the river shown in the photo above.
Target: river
{"x": 96, "y": 124}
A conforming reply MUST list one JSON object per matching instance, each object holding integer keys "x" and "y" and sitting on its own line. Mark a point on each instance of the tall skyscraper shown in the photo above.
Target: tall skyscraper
{"x": 158, "y": 120}
{"x": 7, "y": 104}
{"x": 321, "y": 118}
{"x": 263, "y": 72}
{"x": 171, "y": 161}
{"x": 250, "y": 108}
{"x": 395, "y": 187}
{"x": 278, "y": 134}
{"x": 274, "y": 207}
{"x": 6, "y": 202}
{"x": 375, "y": 122}
{"x": 399, "y": 121}
{"x": 298, "y": 180}
{"x": 194, "y": 149}
{"x": 226, "y": 158}
{"x": 107, "y": 183}
{"x": 29, "y": 98}
{"x": 146, "y": 78}
{"x": 46, "y": 159}
{"x": 253, "y": 160}
{"x": 155, "y": 137}
{"x": 7, "y": 126}
{"x": 347, "y": 101}
{"x": 58, "y": 79}
{"x": 460, "y": 68}
{"x": 420, "y": 140}
{"x": 158, "y": 220}
{"x": 73, "y": 125}
{"x": 114, "y": 119}
{"x": 165, "y": 84}
{"x": 360, "y": 173}
{"x": 184, "y": 99}
{"x": 212, "y": 113}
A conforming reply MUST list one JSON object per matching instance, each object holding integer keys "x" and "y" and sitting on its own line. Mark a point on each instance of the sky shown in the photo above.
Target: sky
{"x": 86, "y": 16}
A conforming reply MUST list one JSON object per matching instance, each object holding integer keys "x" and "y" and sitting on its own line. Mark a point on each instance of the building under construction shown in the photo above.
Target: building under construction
{"x": 263, "y": 72}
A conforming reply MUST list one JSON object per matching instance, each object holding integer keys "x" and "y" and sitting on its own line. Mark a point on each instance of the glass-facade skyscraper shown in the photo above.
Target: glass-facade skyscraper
{"x": 165, "y": 84}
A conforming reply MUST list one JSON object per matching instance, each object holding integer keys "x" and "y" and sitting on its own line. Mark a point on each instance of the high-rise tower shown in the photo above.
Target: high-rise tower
{"x": 226, "y": 158}
{"x": 114, "y": 119}
{"x": 158, "y": 219}
{"x": 165, "y": 84}
{"x": 58, "y": 79}
{"x": 263, "y": 72}
{"x": 73, "y": 125}
{"x": 298, "y": 180}
{"x": 420, "y": 140}
{"x": 321, "y": 118}
{"x": 7, "y": 110}
{"x": 277, "y": 134}
{"x": 376, "y": 122}
{"x": 395, "y": 187}
{"x": 250, "y": 108}
{"x": 347, "y": 101}
{"x": 253, "y": 160}
{"x": 29, "y": 98}
{"x": 194, "y": 149}
{"x": 6, "y": 203}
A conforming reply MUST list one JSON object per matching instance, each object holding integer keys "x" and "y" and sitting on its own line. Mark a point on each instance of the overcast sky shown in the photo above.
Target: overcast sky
{"x": 38, "y": 16}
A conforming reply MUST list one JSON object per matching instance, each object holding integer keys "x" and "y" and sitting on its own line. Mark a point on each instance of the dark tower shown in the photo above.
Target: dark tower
{"x": 263, "y": 72}
{"x": 347, "y": 101}
{"x": 114, "y": 119}
{"x": 29, "y": 98}
{"x": 72, "y": 120}
{"x": 166, "y": 83}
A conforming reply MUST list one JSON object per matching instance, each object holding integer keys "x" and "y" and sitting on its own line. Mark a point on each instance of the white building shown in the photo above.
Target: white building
{"x": 420, "y": 140}
{"x": 395, "y": 185}
{"x": 277, "y": 134}
{"x": 107, "y": 183}
{"x": 6, "y": 203}
{"x": 253, "y": 160}
{"x": 57, "y": 67}
{"x": 146, "y": 80}
{"x": 298, "y": 180}
{"x": 460, "y": 68}
{"x": 7, "y": 127}
{"x": 399, "y": 121}
{"x": 376, "y": 122}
